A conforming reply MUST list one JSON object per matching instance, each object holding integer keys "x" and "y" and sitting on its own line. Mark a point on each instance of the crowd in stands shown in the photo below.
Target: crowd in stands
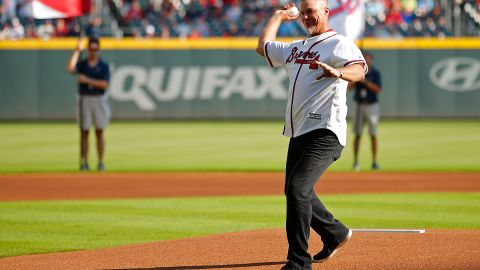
{"x": 223, "y": 18}
{"x": 412, "y": 18}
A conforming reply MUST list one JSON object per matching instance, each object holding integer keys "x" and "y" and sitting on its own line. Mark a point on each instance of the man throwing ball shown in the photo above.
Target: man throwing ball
{"x": 319, "y": 68}
{"x": 93, "y": 76}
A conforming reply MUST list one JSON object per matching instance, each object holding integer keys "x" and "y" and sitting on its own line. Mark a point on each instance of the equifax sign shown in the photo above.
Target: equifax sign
{"x": 147, "y": 87}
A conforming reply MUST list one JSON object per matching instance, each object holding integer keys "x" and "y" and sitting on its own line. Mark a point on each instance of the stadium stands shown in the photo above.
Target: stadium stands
{"x": 224, "y": 18}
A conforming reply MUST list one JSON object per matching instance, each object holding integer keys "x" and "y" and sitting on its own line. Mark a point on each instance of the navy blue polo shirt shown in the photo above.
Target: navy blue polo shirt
{"x": 98, "y": 72}
{"x": 362, "y": 95}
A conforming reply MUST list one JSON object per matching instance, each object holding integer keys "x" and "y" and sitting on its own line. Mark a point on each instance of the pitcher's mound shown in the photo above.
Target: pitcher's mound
{"x": 266, "y": 249}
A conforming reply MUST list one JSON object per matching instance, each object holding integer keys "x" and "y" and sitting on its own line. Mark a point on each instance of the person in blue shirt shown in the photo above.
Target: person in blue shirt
{"x": 93, "y": 109}
{"x": 367, "y": 110}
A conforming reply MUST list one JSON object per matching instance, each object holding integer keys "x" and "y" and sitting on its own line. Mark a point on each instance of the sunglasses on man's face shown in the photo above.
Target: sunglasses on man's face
{"x": 309, "y": 12}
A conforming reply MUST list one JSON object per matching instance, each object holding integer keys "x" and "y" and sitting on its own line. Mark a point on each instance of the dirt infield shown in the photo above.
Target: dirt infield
{"x": 261, "y": 249}
{"x": 143, "y": 185}
{"x": 266, "y": 249}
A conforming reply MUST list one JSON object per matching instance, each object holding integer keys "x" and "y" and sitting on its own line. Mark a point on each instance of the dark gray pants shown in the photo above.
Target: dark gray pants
{"x": 309, "y": 155}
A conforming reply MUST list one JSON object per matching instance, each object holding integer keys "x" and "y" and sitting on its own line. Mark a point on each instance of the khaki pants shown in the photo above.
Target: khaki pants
{"x": 93, "y": 110}
{"x": 369, "y": 113}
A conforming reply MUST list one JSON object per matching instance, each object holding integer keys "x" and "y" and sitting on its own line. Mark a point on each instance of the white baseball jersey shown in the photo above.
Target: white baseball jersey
{"x": 314, "y": 104}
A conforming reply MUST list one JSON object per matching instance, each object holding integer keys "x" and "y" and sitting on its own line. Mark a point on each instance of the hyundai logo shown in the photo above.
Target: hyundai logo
{"x": 456, "y": 74}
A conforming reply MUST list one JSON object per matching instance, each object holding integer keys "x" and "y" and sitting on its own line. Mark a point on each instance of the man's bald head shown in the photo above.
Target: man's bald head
{"x": 314, "y": 15}
{"x": 318, "y": 3}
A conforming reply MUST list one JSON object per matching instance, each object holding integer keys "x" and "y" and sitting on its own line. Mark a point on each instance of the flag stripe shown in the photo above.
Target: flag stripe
{"x": 49, "y": 9}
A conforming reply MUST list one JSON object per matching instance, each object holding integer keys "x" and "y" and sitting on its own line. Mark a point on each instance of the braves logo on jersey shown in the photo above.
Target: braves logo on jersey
{"x": 304, "y": 58}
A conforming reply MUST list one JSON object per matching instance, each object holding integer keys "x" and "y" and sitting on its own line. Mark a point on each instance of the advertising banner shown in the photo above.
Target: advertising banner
{"x": 235, "y": 83}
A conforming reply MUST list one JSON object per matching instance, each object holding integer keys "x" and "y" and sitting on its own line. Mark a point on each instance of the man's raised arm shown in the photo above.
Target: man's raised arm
{"x": 270, "y": 30}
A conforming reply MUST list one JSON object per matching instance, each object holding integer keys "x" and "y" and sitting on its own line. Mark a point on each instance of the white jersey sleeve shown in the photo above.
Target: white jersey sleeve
{"x": 347, "y": 53}
{"x": 276, "y": 53}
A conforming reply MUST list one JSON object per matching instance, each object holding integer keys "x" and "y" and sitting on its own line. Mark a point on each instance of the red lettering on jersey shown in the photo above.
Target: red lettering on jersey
{"x": 304, "y": 58}
{"x": 312, "y": 63}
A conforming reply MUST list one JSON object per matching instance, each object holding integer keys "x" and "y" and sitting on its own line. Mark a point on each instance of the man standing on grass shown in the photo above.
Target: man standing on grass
{"x": 319, "y": 68}
{"x": 367, "y": 110}
{"x": 93, "y": 76}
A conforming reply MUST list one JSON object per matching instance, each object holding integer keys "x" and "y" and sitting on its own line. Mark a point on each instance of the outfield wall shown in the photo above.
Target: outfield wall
{"x": 225, "y": 78}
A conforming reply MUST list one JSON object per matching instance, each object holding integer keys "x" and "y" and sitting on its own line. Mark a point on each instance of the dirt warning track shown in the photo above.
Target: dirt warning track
{"x": 147, "y": 185}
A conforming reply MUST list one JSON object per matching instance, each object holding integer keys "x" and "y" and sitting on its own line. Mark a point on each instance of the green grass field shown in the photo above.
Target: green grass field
{"x": 40, "y": 227}
{"x": 232, "y": 146}
{"x": 51, "y": 226}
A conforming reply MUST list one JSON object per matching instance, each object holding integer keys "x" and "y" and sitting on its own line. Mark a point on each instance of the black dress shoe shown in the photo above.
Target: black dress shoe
{"x": 291, "y": 266}
{"x": 328, "y": 251}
